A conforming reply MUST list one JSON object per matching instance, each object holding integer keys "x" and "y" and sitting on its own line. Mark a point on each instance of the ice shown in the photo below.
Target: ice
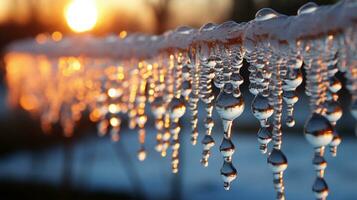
{"x": 115, "y": 77}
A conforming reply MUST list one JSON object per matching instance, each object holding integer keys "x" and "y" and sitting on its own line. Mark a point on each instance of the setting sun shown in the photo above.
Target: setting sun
{"x": 81, "y": 15}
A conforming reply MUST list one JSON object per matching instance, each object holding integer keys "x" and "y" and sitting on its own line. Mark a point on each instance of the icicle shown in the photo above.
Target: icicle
{"x": 206, "y": 95}
{"x": 115, "y": 78}
{"x": 177, "y": 110}
{"x": 318, "y": 130}
{"x": 193, "y": 98}
{"x": 278, "y": 163}
{"x": 264, "y": 137}
{"x": 291, "y": 81}
{"x": 262, "y": 110}
{"x": 229, "y": 108}
{"x": 140, "y": 101}
{"x": 281, "y": 163}
{"x": 168, "y": 98}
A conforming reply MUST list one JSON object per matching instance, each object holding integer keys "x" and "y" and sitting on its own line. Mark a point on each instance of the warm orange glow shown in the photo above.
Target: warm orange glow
{"x": 95, "y": 115}
{"x": 123, "y": 34}
{"x": 69, "y": 65}
{"x": 29, "y": 102}
{"x": 56, "y": 36}
{"x": 121, "y": 75}
{"x": 81, "y": 15}
{"x": 41, "y": 38}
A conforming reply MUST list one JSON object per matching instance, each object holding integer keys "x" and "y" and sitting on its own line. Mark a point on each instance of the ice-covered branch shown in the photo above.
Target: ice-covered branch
{"x": 112, "y": 77}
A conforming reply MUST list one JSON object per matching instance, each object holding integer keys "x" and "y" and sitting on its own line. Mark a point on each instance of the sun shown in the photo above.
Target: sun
{"x": 81, "y": 15}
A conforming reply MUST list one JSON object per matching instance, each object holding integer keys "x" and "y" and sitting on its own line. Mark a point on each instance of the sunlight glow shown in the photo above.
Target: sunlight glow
{"x": 81, "y": 15}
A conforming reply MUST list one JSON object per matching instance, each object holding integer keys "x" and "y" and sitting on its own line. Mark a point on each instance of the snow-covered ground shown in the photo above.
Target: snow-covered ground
{"x": 106, "y": 171}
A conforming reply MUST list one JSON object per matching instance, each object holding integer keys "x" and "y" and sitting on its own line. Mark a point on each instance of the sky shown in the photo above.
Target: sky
{"x": 116, "y": 15}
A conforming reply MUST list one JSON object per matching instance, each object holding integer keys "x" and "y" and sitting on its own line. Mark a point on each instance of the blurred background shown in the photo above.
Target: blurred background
{"x": 38, "y": 166}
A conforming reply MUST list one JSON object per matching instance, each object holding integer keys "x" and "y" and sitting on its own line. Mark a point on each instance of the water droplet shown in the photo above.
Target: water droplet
{"x": 236, "y": 80}
{"x": 319, "y": 162}
{"x": 208, "y": 27}
{"x": 333, "y": 111}
{"x": 292, "y": 81}
{"x": 186, "y": 70}
{"x": 264, "y": 137}
{"x": 320, "y": 188}
{"x": 335, "y": 85}
{"x": 253, "y": 88}
{"x": 228, "y": 88}
{"x": 336, "y": 141}
{"x": 227, "y": 148}
{"x": 177, "y": 108}
{"x": 295, "y": 63}
{"x": 103, "y": 127}
{"x": 141, "y": 154}
{"x": 307, "y": 8}
{"x": 290, "y": 97}
{"x": 114, "y": 134}
{"x": 209, "y": 123}
{"x": 265, "y": 14}
{"x": 290, "y": 122}
{"x": 261, "y": 109}
{"x": 186, "y": 88}
{"x": 228, "y": 173}
{"x": 157, "y": 107}
{"x": 228, "y": 106}
{"x": 318, "y": 131}
{"x": 141, "y": 120}
{"x": 277, "y": 161}
{"x": 207, "y": 143}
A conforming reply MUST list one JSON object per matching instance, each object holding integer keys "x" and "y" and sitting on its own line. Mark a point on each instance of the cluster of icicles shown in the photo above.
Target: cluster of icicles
{"x": 112, "y": 77}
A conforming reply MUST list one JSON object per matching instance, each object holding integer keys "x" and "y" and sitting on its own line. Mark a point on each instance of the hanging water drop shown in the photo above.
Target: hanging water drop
{"x": 278, "y": 163}
{"x": 176, "y": 108}
{"x": 318, "y": 131}
{"x": 290, "y": 98}
{"x": 141, "y": 154}
{"x": 335, "y": 85}
{"x": 207, "y": 143}
{"x": 336, "y": 141}
{"x": 333, "y": 111}
{"x": 261, "y": 109}
{"x": 320, "y": 188}
{"x": 264, "y": 137}
{"x": 229, "y": 108}
{"x": 228, "y": 173}
{"x": 319, "y": 163}
{"x": 227, "y": 149}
